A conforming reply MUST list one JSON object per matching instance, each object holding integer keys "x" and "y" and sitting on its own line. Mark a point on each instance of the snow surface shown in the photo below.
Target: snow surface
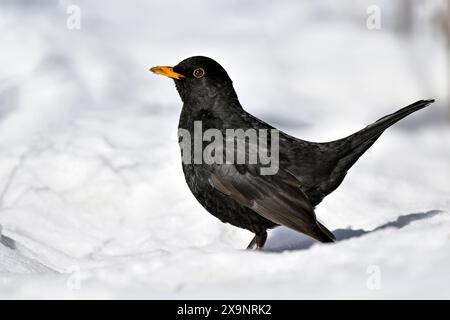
{"x": 93, "y": 203}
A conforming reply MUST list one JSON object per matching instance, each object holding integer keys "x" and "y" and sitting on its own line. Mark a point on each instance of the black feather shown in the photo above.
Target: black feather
{"x": 238, "y": 194}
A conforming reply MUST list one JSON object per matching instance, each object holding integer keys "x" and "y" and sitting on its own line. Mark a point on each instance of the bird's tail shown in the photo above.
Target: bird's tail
{"x": 364, "y": 138}
{"x": 354, "y": 146}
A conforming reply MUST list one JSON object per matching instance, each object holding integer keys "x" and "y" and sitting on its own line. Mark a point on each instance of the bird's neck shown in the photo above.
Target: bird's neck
{"x": 213, "y": 99}
{"x": 215, "y": 108}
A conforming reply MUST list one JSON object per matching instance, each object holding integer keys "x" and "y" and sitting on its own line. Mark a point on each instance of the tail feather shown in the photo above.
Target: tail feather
{"x": 353, "y": 147}
{"x": 362, "y": 140}
{"x": 375, "y": 129}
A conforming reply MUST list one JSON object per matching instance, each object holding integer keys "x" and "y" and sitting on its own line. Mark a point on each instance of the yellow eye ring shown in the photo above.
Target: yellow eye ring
{"x": 199, "y": 72}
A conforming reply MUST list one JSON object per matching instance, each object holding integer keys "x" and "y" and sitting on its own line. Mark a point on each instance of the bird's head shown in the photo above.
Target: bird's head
{"x": 197, "y": 77}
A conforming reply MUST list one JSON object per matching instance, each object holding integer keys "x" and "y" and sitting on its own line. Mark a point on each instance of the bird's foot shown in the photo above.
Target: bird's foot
{"x": 252, "y": 244}
{"x": 258, "y": 242}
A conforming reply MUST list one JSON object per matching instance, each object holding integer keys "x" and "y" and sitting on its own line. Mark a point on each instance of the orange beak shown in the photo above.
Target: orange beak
{"x": 166, "y": 71}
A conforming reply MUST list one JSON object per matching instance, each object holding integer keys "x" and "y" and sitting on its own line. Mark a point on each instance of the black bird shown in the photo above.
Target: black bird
{"x": 238, "y": 193}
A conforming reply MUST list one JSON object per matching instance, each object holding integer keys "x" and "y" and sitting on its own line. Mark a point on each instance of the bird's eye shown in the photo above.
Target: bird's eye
{"x": 199, "y": 72}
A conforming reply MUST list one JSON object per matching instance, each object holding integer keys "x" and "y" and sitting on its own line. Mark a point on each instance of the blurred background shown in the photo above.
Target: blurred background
{"x": 90, "y": 177}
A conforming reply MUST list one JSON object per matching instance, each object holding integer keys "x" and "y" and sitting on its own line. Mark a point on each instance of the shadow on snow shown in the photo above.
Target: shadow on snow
{"x": 283, "y": 238}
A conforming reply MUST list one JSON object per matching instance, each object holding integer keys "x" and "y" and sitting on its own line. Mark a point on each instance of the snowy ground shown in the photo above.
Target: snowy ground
{"x": 93, "y": 203}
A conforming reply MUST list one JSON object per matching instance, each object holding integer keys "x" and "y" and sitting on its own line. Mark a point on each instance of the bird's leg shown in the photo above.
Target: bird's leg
{"x": 258, "y": 240}
{"x": 252, "y": 243}
{"x": 261, "y": 240}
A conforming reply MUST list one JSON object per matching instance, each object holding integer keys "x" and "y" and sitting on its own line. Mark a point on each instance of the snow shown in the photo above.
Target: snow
{"x": 93, "y": 203}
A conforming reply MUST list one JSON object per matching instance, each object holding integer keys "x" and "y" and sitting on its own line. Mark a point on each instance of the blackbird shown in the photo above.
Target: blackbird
{"x": 237, "y": 193}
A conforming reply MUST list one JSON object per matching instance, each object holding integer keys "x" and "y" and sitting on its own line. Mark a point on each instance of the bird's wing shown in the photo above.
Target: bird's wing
{"x": 277, "y": 198}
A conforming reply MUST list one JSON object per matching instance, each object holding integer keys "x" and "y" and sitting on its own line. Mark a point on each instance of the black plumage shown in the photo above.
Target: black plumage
{"x": 238, "y": 193}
